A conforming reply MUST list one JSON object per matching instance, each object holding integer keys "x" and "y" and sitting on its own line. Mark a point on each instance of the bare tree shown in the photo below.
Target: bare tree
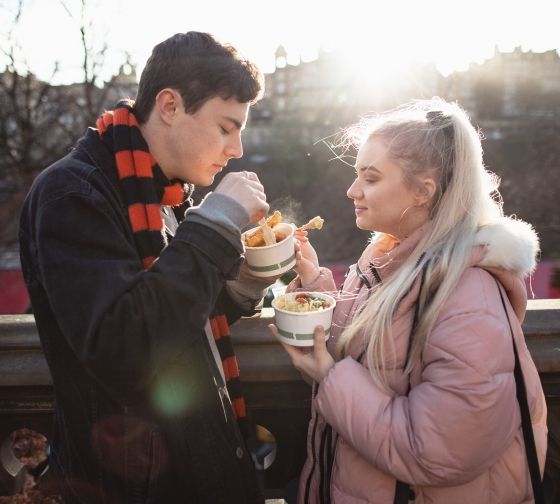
{"x": 25, "y": 114}
{"x": 95, "y": 92}
{"x": 40, "y": 121}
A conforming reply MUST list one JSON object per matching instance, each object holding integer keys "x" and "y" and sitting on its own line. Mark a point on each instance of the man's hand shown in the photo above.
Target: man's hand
{"x": 246, "y": 189}
{"x": 315, "y": 361}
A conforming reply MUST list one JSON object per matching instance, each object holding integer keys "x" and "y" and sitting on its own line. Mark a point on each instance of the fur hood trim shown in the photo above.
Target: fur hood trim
{"x": 510, "y": 244}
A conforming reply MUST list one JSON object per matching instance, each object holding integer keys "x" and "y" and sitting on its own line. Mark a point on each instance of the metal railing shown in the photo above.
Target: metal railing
{"x": 277, "y": 398}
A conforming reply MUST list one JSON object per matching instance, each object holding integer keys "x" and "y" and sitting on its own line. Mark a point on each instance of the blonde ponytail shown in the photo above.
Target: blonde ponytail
{"x": 436, "y": 137}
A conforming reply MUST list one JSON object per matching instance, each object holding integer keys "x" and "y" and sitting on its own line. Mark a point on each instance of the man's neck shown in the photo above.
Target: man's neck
{"x": 152, "y": 134}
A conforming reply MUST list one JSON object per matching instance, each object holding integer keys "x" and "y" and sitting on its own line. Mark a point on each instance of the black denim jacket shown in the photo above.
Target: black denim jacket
{"x": 140, "y": 414}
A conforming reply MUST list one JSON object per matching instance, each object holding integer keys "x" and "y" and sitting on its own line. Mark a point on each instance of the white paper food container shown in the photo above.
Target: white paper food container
{"x": 273, "y": 260}
{"x": 297, "y": 328}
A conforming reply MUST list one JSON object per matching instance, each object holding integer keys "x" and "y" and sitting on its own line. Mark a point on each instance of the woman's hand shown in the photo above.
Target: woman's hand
{"x": 315, "y": 361}
{"x": 307, "y": 262}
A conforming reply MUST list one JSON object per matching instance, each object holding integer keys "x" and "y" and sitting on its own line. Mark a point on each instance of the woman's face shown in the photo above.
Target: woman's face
{"x": 382, "y": 201}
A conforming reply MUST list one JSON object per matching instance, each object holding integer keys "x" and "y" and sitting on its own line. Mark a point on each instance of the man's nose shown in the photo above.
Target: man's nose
{"x": 235, "y": 148}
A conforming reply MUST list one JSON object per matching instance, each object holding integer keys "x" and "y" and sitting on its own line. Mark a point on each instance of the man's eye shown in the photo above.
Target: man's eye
{"x": 224, "y": 131}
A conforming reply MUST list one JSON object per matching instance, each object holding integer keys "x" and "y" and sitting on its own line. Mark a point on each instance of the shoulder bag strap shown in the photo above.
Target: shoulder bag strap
{"x": 526, "y": 426}
{"x": 403, "y": 492}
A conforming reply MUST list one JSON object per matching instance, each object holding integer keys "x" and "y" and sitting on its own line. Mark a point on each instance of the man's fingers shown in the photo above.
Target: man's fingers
{"x": 257, "y": 216}
{"x": 251, "y": 176}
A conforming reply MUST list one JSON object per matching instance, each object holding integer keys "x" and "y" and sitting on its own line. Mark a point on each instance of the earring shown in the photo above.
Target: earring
{"x": 416, "y": 205}
{"x": 406, "y": 210}
{"x": 402, "y": 217}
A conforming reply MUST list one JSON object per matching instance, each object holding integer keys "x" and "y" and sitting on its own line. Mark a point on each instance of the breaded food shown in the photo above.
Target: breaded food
{"x": 255, "y": 238}
{"x": 315, "y": 223}
{"x": 275, "y": 218}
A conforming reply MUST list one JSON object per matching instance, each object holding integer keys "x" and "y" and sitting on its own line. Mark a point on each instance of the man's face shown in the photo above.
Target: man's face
{"x": 200, "y": 144}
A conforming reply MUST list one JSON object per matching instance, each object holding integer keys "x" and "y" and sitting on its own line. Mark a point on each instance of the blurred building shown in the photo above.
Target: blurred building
{"x": 310, "y": 100}
{"x": 509, "y": 90}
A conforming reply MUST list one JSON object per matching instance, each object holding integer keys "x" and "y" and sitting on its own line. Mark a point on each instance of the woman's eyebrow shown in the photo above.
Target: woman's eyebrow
{"x": 369, "y": 168}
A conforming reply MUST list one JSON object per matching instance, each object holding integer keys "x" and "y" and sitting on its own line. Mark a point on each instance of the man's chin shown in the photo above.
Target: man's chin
{"x": 204, "y": 181}
{"x": 207, "y": 182}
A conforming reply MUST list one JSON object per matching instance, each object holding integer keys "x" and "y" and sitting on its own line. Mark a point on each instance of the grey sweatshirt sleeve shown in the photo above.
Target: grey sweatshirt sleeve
{"x": 222, "y": 214}
{"x": 248, "y": 291}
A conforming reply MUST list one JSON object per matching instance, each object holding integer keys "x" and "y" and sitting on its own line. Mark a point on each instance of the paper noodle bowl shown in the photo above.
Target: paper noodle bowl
{"x": 297, "y": 328}
{"x": 273, "y": 260}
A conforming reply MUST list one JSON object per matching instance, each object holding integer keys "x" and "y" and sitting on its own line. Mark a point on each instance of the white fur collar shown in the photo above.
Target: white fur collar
{"x": 510, "y": 244}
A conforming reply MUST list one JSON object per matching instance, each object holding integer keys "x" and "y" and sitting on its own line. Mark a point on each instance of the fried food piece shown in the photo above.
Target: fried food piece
{"x": 274, "y": 219}
{"x": 315, "y": 223}
{"x": 279, "y": 236}
{"x": 256, "y": 238}
{"x": 268, "y": 234}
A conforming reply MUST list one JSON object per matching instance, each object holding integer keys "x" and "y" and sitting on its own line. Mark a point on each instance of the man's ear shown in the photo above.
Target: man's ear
{"x": 426, "y": 191}
{"x": 168, "y": 102}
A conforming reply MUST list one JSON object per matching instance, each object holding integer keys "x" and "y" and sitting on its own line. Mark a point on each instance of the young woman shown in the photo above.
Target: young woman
{"x": 416, "y": 383}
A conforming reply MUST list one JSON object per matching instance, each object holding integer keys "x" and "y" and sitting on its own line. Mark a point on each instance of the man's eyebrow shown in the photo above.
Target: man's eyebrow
{"x": 234, "y": 121}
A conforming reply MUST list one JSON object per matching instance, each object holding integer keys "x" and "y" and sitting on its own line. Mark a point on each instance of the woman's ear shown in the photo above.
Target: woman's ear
{"x": 167, "y": 103}
{"x": 426, "y": 191}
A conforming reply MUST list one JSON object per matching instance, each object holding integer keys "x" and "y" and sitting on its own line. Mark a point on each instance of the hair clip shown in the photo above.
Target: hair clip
{"x": 438, "y": 119}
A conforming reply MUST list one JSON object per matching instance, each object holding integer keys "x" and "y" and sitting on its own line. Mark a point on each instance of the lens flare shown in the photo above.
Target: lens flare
{"x": 171, "y": 394}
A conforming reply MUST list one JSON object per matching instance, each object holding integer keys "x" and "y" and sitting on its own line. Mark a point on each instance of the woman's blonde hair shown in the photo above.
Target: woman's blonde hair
{"x": 437, "y": 138}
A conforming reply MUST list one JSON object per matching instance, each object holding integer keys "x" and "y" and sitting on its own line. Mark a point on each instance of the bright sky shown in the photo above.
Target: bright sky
{"x": 450, "y": 33}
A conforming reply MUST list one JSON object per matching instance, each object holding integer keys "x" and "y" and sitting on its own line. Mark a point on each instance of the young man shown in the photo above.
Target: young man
{"x": 122, "y": 292}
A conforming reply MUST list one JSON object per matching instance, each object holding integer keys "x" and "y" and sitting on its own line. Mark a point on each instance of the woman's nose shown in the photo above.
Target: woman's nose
{"x": 352, "y": 191}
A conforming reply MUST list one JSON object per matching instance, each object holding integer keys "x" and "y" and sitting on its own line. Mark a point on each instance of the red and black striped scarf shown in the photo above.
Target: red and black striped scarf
{"x": 145, "y": 189}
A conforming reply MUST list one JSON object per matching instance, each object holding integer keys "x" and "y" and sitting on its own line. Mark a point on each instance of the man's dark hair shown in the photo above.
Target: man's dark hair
{"x": 199, "y": 68}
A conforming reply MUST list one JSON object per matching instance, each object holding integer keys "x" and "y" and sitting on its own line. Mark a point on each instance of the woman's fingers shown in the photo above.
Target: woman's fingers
{"x": 301, "y": 236}
{"x": 295, "y": 353}
{"x": 319, "y": 341}
{"x": 292, "y": 351}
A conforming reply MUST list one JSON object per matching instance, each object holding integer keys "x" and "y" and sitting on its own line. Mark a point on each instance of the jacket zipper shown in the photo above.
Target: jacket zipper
{"x": 318, "y": 455}
{"x": 328, "y": 447}
{"x": 326, "y": 437}
{"x": 375, "y": 273}
{"x": 313, "y": 451}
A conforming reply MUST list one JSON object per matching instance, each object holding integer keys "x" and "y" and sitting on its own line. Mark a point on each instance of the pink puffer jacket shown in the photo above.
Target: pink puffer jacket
{"x": 457, "y": 436}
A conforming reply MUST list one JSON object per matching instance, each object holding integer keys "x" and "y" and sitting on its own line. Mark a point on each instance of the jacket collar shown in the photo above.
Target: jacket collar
{"x": 386, "y": 253}
{"x": 101, "y": 157}
{"x": 506, "y": 248}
